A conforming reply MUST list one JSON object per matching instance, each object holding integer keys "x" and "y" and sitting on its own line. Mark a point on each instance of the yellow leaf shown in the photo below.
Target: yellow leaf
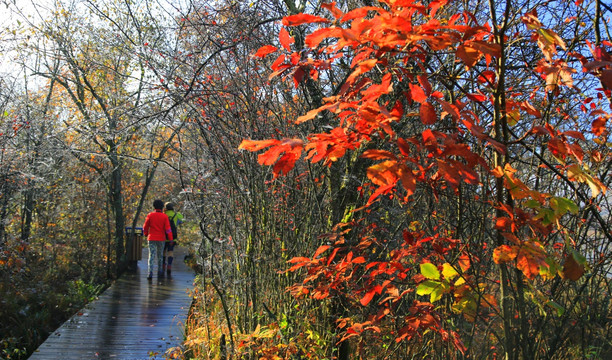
{"x": 449, "y": 271}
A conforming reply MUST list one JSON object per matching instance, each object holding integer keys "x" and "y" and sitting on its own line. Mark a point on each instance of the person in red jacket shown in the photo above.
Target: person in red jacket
{"x": 157, "y": 229}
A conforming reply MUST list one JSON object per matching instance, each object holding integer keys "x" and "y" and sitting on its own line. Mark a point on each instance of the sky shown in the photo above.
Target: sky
{"x": 12, "y": 14}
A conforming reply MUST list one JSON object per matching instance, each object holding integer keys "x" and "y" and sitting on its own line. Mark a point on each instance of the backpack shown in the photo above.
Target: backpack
{"x": 173, "y": 227}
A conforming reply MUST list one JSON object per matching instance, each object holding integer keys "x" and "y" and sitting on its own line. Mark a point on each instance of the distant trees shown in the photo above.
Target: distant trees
{"x": 82, "y": 137}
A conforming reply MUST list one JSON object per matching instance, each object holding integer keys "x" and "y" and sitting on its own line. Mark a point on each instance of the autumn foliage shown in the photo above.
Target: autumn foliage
{"x": 429, "y": 139}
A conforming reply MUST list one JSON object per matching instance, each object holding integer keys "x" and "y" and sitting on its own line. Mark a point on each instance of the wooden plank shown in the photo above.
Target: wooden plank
{"x": 133, "y": 319}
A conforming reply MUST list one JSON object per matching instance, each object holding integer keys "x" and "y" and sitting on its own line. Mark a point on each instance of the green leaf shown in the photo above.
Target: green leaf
{"x": 430, "y": 271}
{"x": 560, "y": 309}
{"x": 283, "y": 323}
{"x": 432, "y": 288}
{"x": 436, "y": 294}
{"x": 562, "y": 205}
{"x": 427, "y": 287}
{"x": 580, "y": 259}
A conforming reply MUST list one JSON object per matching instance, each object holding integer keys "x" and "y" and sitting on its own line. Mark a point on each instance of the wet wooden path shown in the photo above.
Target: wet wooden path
{"x": 133, "y": 319}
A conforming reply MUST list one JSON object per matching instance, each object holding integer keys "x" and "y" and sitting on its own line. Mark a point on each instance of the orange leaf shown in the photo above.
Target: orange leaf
{"x": 285, "y": 39}
{"x": 314, "y": 39}
{"x": 417, "y": 93}
{"x": 265, "y": 50}
{"x": 464, "y": 262}
{"x": 255, "y": 145}
{"x": 384, "y": 173}
{"x": 504, "y": 253}
{"x": 503, "y": 223}
{"x": 408, "y": 179}
{"x": 528, "y": 264}
{"x": 468, "y": 54}
{"x": 375, "y": 154}
{"x": 599, "y": 126}
{"x": 299, "y": 19}
{"x": 337, "y": 13}
{"x": 270, "y": 156}
{"x": 314, "y": 112}
{"x": 365, "y": 300}
{"x": 320, "y": 250}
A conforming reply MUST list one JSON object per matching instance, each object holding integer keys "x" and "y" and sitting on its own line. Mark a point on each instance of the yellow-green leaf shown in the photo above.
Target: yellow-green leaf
{"x": 449, "y": 271}
{"x": 430, "y": 271}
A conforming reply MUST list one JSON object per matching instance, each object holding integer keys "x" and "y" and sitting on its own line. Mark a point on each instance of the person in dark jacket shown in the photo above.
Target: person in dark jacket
{"x": 157, "y": 229}
{"x": 177, "y": 218}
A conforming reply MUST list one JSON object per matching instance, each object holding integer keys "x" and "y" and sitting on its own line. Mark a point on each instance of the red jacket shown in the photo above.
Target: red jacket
{"x": 157, "y": 226}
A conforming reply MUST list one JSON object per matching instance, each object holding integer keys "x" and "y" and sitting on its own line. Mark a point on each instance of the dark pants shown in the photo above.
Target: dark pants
{"x": 168, "y": 253}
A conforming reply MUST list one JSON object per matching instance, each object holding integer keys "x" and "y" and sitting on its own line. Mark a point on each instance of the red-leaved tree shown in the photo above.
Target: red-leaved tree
{"x": 482, "y": 198}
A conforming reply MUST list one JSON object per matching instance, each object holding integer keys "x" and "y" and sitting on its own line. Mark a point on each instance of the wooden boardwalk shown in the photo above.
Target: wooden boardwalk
{"x": 133, "y": 319}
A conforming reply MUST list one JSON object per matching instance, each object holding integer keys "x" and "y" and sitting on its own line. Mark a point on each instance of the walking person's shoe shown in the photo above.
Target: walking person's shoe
{"x": 150, "y": 275}
{"x": 169, "y": 269}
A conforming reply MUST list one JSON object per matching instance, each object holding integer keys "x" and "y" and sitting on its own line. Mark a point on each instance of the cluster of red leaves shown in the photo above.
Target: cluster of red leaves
{"x": 363, "y": 115}
{"x": 333, "y": 269}
{"x": 385, "y": 40}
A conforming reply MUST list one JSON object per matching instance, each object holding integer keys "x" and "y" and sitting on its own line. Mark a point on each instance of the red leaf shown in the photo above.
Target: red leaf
{"x": 606, "y": 78}
{"x": 285, "y": 39}
{"x": 359, "y": 13}
{"x": 299, "y": 19}
{"x": 424, "y": 81}
{"x": 599, "y": 126}
{"x": 365, "y": 300}
{"x": 428, "y": 114}
{"x": 285, "y": 164}
{"x": 487, "y": 77}
{"x": 417, "y": 93}
{"x": 571, "y": 269}
{"x": 381, "y": 190}
{"x": 358, "y": 260}
{"x": 574, "y": 134}
{"x": 403, "y": 146}
{"x": 367, "y": 297}
{"x": 279, "y": 64}
{"x": 429, "y": 138}
{"x": 265, "y": 50}
{"x": 378, "y": 155}
{"x": 477, "y": 97}
{"x": 449, "y": 172}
